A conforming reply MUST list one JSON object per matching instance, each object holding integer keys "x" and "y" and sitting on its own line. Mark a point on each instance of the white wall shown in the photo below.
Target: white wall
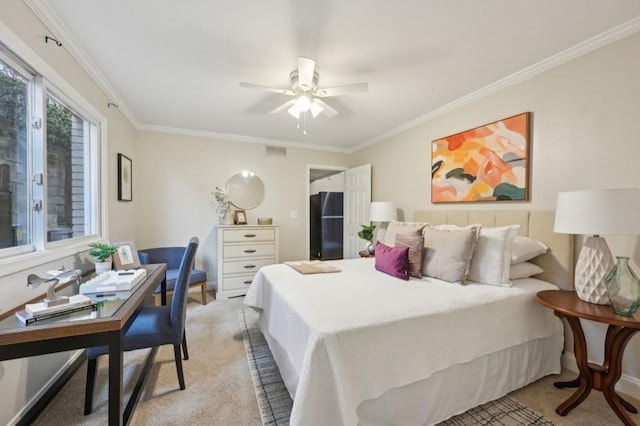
{"x": 584, "y": 135}
{"x": 23, "y": 379}
{"x": 333, "y": 183}
{"x": 179, "y": 172}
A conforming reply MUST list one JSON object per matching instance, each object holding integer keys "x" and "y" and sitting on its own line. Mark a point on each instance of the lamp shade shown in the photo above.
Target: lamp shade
{"x": 598, "y": 212}
{"x": 382, "y": 211}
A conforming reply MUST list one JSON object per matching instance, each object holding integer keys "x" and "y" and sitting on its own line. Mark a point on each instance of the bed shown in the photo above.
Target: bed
{"x": 362, "y": 347}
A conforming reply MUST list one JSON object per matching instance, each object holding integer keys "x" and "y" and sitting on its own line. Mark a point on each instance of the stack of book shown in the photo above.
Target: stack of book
{"x": 79, "y": 305}
{"x": 122, "y": 280}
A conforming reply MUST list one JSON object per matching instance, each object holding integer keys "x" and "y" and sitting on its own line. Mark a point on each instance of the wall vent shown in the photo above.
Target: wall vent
{"x": 276, "y": 151}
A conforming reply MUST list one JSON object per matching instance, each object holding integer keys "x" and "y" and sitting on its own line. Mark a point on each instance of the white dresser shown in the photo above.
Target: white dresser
{"x": 241, "y": 251}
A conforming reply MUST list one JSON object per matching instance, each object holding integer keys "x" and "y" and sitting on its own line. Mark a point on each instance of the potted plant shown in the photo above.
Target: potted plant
{"x": 366, "y": 233}
{"x": 102, "y": 255}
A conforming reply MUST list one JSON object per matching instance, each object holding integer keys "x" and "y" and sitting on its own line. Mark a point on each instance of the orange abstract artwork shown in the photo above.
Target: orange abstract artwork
{"x": 488, "y": 163}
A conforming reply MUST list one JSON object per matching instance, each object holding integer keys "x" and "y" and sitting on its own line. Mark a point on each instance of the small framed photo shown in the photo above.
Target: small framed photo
{"x": 126, "y": 257}
{"x": 125, "y": 178}
{"x": 239, "y": 217}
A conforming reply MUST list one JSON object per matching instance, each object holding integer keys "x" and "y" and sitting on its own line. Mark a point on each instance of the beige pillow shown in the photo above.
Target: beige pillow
{"x": 415, "y": 242}
{"x": 448, "y": 251}
{"x": 395, "y": 228}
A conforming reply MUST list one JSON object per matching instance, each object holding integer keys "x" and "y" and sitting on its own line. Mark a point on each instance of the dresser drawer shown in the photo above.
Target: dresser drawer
{"x": 237, "y": 282}
{"x": 240, "y": 235}
{"x": 249, "y": 250}
{"x": 245, "y": 266}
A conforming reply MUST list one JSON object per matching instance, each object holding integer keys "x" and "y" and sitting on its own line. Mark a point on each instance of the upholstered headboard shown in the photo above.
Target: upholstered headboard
{"x": 538, "y": 224}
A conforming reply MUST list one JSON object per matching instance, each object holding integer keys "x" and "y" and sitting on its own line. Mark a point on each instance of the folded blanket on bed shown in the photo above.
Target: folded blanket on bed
{"x": 312, "y": 267}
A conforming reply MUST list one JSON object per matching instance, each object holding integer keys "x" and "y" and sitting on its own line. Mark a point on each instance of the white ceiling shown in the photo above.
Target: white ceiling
{"x": 175, "y": 65}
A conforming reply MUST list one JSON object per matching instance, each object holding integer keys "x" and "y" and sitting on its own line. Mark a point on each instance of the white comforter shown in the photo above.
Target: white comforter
{"x": 352, "y": 335}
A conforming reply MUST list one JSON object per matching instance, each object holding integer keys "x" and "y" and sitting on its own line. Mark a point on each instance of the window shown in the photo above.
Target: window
{"x": 49, "y": 162}
{"x": 15, "y": 88}
{"x": 68, "y": 161}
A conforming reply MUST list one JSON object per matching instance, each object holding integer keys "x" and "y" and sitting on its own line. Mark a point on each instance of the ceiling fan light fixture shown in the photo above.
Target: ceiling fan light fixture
{"x": 303, "y": 102}
{"x": 315, "y": 109}
{"x": 294, "y": 111}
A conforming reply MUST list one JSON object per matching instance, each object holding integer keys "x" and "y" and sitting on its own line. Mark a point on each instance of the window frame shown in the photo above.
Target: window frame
{"x": 92, "y": 183}
{"x": 27, "y": 74}
{"x": 40, "y": 251}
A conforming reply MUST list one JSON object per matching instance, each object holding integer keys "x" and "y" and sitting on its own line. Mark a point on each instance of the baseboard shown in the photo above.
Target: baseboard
{"x": 627, "y": 385}
{"x": 31, "y": 411}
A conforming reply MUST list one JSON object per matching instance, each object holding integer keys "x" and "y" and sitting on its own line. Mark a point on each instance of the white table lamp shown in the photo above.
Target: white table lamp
{"x": 382, "y": 211}
{"x": 595, "y": 213}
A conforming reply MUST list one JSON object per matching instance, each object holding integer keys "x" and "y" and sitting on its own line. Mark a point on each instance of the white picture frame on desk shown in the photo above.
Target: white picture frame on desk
{"x": 126, "y": 257}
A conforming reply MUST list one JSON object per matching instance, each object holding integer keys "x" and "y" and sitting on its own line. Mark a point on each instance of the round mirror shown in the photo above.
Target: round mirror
{"x": 245, "y": 190}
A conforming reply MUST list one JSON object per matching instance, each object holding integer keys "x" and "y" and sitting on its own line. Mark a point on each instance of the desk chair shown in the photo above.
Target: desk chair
{"x": 172, "y": 257}
{"x": 153, "y": 326}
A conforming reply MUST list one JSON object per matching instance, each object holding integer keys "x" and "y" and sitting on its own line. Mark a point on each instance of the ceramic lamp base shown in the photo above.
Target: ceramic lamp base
{"x": 594, "y": 263}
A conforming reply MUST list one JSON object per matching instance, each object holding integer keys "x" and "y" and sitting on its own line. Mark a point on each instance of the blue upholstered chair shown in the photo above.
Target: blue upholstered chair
{"x": 172, "y": 257}
{"x": 153, "y": 326}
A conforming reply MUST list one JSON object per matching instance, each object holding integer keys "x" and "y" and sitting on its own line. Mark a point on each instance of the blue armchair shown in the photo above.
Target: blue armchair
{"x": 172, "y": 256}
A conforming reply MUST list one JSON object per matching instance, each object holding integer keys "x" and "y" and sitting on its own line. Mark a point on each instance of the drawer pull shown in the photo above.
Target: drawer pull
{"x": 249, "y": 235}
{"x": 247, "y": 282}
{"x": 249, "y": 266}
{"x": 250, "y": 251}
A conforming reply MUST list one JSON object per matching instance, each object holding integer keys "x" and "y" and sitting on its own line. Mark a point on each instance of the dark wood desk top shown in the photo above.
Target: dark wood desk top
{"x": 567, "y": 303}
{"x": 114, "y": 316}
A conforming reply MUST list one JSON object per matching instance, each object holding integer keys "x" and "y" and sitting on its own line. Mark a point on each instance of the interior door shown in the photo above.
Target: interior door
{"x": 357, "y": 201}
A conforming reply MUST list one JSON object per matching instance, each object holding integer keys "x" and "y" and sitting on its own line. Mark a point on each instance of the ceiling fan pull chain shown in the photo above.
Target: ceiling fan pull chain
{"x": 304, "y": 123}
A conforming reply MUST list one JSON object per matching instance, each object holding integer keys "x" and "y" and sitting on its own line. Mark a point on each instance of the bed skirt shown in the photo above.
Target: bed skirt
{"x": 454, "y": 390}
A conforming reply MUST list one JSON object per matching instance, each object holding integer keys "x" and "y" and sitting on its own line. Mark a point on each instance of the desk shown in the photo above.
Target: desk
{"x": 114, "y": 318}
{"x": 566, "y": 304}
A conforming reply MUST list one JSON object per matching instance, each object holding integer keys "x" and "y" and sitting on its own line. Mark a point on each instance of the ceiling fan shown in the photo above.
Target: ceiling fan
{"x": 306, "y": 93}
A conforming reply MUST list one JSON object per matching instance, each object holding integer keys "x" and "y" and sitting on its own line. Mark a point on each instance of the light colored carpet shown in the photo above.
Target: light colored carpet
{"x": 220, "y": 391}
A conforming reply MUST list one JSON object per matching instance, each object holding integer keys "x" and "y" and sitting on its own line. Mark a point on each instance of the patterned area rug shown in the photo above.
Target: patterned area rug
{"x": 275, "y": 403}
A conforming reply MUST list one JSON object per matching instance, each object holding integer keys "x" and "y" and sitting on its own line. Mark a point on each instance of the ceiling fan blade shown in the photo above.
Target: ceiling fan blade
{"x": 306, "y": 68}
{"x": 349, "y": 89}
{"x": 268, "y": 89}
{"x": 283, "y": 107}
{"x": 326, "y": 109}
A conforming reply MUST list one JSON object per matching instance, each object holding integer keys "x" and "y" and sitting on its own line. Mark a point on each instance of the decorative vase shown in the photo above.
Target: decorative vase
{"x": 371, "y": 248}
{"x": 103, "y": 267}
{"x": 623, "y": 287}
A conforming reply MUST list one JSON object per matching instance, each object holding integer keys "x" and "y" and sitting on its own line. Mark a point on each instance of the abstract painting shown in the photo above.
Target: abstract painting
{"x": 488, "y": 163}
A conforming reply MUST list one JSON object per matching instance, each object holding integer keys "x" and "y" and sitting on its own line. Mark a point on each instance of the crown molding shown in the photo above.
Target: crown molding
{"x": 55, "y": 25}
{"x": 49, "y": 18}
{"x": 239, "y": 138}
{"x": 580, "y": 49}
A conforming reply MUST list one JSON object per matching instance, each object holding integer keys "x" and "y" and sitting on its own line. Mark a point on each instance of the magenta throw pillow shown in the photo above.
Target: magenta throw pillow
{"x": 393, "y": 260}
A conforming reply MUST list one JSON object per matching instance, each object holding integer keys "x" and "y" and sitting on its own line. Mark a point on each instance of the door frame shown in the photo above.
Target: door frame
{"x": 307, "y": 211}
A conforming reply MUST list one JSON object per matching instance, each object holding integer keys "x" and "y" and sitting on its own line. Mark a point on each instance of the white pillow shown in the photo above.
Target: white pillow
{"x": 492, "y": 259}
{"x": 524, "y": 270}
{"x": 524, "y": 249}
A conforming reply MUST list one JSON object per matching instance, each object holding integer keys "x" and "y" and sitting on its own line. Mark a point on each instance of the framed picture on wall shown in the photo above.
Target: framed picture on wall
{"x": 486, "y": 163}
{"x": 125, "y": 178}
{"x": 126, "y": 257}
{"x": 240, "y": 217}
